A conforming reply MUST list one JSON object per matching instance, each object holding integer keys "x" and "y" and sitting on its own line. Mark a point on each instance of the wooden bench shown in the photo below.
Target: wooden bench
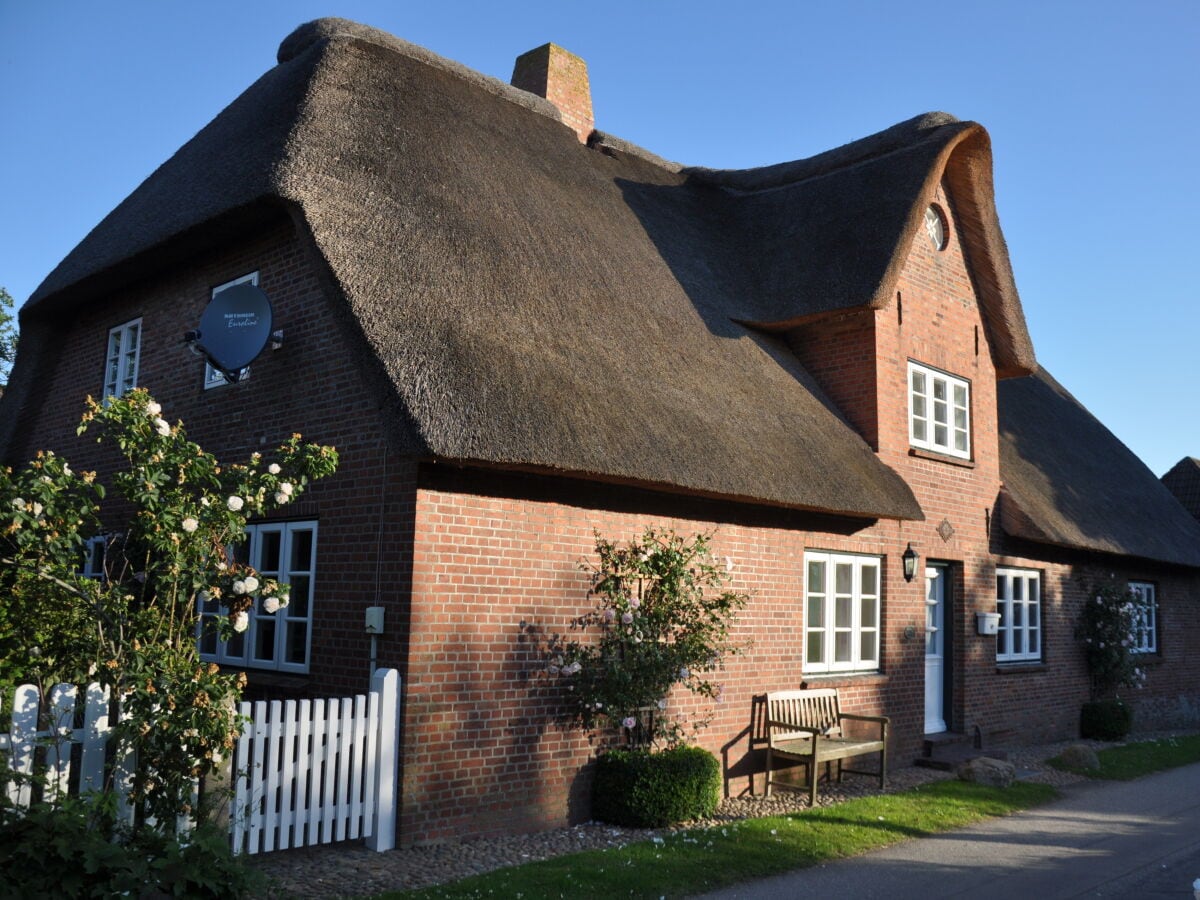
{"x": 806, "y": 726}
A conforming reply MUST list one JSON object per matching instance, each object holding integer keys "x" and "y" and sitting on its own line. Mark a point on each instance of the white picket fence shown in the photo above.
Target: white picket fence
{"x": 306, "y": 772}
{"x": 316, "y": 771}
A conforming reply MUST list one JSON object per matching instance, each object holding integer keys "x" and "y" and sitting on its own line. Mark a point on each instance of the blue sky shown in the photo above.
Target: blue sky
{"x": 1092, "y": 108}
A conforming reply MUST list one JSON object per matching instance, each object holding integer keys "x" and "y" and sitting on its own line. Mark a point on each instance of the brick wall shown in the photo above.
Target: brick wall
{"x": 496, "y": 572}
{"x": 312, "y": 385}
{"x": 491, "y": 560}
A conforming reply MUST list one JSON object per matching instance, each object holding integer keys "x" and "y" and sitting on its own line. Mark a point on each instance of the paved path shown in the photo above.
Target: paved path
{"x": 1103, "y": 839}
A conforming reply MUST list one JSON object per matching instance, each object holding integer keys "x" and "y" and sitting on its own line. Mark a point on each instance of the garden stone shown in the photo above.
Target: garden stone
{"x": 992, "y": 772}
{"x": 1080, "y": 756}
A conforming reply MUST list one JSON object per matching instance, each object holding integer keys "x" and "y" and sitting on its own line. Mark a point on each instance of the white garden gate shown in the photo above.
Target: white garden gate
{"x": 305, "y": 771}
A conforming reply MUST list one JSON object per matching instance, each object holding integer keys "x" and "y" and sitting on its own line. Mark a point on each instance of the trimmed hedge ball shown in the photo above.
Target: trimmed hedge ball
{"x": 642, "y": 789}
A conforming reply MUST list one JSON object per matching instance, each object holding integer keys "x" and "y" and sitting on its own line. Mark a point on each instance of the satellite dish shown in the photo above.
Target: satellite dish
{"x": 234, "y": 328}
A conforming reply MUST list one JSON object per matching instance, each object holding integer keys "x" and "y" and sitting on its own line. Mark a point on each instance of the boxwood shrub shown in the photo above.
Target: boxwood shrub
{"x": 644, "y": 789}
{"x": 1105, "y": 720}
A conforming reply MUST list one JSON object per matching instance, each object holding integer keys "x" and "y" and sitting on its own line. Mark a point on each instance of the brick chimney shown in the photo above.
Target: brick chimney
{"x": 561, "y": 77}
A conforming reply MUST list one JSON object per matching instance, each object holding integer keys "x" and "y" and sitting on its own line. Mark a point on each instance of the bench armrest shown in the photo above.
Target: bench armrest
{"x": 881, "y": 721}
{"x": 884, "y": 720}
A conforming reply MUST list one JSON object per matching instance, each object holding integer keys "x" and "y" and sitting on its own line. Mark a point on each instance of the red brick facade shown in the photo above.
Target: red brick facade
{"x": 477, "y": 567}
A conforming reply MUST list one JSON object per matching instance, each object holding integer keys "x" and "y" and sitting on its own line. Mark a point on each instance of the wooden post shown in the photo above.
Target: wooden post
{"x": 383, "y": 835}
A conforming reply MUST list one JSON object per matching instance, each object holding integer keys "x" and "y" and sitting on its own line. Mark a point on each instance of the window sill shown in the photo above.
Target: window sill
{"x": 825, "y": 677}
{"x": 941, "y": 457}
{"x": 1015, "y": 668}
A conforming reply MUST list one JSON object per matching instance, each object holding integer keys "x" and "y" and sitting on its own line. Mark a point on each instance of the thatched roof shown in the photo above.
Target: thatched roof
{"x": 527, "y": 301}
{"x": 1069, "y": 481}
{"x": 831, "y": 233}
{"x": 1183, "y": 481}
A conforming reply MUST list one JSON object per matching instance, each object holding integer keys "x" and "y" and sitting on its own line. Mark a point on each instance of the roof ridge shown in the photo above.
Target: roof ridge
{"x": 305, "y": 36}
{"x": 898, "y": 137}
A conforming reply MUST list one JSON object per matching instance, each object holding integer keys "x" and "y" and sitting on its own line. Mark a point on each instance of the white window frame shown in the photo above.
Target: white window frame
{"x": 242, "y": 650}
{"x": 214, "y": 378}
{"x": 1020, "y": 637}
{"x": 826, "y": 620}
{"x": 1145, "y": 624}
{"x": 95, "y": 549}
{"x": 939, "y": 423}
{"x": 121, "y": 359}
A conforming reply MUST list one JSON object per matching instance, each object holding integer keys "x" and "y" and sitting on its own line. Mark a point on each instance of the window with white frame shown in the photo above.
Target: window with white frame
{"x": 1019, "y": 602}
{"x": 121, "y": 360}
{"x": 213, "y": 378}
{"x": 939, "y": 411}
{"x": 842, "y": 613}
{"x": 285, "y": 552}
{"x": 1145, "y": 623}
{"x": 92, "y": 564}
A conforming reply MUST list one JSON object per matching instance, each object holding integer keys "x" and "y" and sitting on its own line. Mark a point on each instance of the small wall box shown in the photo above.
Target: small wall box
{"x": 987, "y": 623}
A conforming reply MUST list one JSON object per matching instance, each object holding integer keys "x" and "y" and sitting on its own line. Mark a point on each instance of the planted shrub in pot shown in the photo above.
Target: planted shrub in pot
{"x": 661, "y": 621}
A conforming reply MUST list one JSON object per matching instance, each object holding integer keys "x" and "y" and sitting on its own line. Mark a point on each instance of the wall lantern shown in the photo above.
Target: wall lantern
{"x": 910, "y": 563}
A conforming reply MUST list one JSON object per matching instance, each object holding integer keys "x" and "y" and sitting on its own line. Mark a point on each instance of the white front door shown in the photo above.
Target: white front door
{"x": 935, "y": 644}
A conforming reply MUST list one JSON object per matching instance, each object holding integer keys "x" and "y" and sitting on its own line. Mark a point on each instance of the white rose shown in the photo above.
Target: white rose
{"x": 153, "y": 409}
{"x": 37, "y": 508}
{"x": 241, "y": 622}
{"x": 271, "y": 604}
{"x": 161, "y": 426}
{"x": 67, "y": 470}
{"x": 189, "y": 525}
{"x": 251, "y": 584}
{"x": 281, "y": 498}
{"x": 19, "y": 503}
{"x": 274, "y": 469}
{"x": 239, "y": 587}
{"x": 235, "y": 503}
{"x": 286, "y": 488}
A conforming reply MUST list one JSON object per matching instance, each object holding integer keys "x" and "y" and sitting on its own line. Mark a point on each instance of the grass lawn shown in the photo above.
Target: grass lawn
{"x": 690, "y": 862}
{"x": 1131, "y": 761}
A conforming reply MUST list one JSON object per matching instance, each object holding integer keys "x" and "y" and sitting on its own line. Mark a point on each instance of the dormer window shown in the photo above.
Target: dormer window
{"x": 939, "y": 411}
{"x": 121, "y": 360}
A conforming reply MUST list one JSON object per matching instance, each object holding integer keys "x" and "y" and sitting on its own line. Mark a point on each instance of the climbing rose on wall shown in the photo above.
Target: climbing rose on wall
{"x": 1106, "y": 630}
{"x": 662, "y": 617}
{"x": 132, "y": 626}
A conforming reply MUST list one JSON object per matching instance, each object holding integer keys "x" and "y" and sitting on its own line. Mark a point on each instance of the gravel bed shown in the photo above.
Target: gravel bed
{"x": 350, "y": 870}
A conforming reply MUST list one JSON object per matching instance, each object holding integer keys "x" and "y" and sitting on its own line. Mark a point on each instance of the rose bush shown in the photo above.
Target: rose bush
{"x": 662, "y": 617}
{"x": 133, "y": 626}
{"x": 1106, "y": 629}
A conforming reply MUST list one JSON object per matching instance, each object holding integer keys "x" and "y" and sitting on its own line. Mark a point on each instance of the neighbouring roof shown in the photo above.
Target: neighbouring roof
{"x": 1069, "y": 481}
{"x": 1184, "y": 482}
